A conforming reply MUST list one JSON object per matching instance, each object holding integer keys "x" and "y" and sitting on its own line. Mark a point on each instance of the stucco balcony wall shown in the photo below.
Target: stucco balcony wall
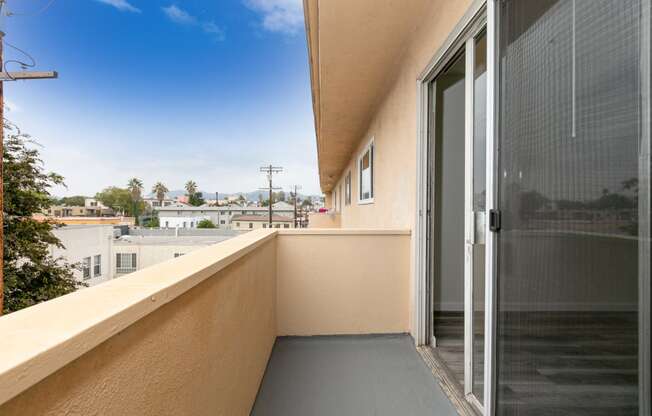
{"x": 193, "y": 335}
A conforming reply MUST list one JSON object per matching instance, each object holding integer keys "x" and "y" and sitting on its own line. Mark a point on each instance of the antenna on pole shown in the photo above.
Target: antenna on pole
{"x": 270, "y": 171}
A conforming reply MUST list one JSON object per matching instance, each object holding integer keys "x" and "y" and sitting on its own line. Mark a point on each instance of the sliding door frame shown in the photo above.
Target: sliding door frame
{"x": 463, "y": 36}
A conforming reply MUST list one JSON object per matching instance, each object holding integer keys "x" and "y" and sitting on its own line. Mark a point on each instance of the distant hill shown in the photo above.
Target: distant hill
{"x": 251, "y": 196}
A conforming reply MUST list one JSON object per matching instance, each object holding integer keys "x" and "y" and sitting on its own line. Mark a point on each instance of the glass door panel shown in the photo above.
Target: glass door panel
{"x": 569, "y": 183}
{"x": 478, "y": 214}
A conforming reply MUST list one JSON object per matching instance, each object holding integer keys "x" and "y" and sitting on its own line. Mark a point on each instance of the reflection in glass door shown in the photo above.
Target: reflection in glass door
{"x": 573, "y": 251}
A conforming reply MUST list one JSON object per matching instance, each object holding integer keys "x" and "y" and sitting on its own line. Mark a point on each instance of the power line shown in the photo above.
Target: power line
{"x": 270, "y": 171}
{"x": 29, "y": 14}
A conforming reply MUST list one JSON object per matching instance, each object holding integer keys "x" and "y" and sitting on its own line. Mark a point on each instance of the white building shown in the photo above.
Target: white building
{"x": 133, "y": 253}
{"x": 90, "y": 247}
{"x": 188, "y": 216}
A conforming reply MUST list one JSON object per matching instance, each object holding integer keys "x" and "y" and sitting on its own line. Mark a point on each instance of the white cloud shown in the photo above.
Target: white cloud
{"x": 122, "y": 5}
{"x": 182, "y": 17}
{"x": 283, "y": 16}
{"x": 12, "y": 106}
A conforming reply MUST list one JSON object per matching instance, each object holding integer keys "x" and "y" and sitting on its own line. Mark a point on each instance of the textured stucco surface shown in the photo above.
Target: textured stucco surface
{"x": 343, "y": 283}
{"x": 392, "y": 121}
{"x": 349, "y": 375}
{"x": 175, "y": 361}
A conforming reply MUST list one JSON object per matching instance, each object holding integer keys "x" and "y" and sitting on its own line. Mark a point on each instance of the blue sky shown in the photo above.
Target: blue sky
{"x": 169, "y": 91}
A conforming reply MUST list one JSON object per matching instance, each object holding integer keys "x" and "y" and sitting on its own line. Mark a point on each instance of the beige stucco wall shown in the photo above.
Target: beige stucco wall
{"x": 393, "y": 127}
{"x": 204, "y": 353}
{"x": 324, "y": 220}
{"x": 340, "y": 282}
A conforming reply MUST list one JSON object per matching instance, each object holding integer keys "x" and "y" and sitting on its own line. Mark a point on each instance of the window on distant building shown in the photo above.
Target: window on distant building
{"x": 265, "y": 225}
{"x": 86, "y": 268}
{"x": 192, "y": 224}
{"x": 178, "y": 255}
{"x": 277, "y": 225}
{"x": 125, "y": 262}
{"x": 366, "y": 174}
{"x": 184, "y": 224}
{"x": 251, "y": 225}
{"x": 237, "y": 224}
{"x": 167, "y": 224}
{"x": 286, "y": 225}
{"x": 222, "y": 222}
{"x": 97, "y": 265}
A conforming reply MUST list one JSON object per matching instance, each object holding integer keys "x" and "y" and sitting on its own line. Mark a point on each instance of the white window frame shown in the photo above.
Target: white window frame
{"x": 347, "y": 188}
{"x": 97, "y": 265}
{"x": 120, "y": 264}
{"x": 369, "y": 147}
{"x": 86, "y": 268}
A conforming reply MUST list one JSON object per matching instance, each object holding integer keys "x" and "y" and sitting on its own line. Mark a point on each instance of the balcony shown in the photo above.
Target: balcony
{"x": 278, "y": 321}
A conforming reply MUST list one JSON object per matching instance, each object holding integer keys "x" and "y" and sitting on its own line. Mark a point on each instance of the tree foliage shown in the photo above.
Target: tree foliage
{"x": 196, "y": 199}
{"x": 159, "y": 190}
{"x": 72, "y": 201}
{"x": 31, "y": 273}
{"x": 205, "y": 223}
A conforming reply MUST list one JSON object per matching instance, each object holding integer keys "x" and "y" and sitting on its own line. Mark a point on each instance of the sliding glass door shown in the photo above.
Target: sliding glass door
{"x": 573, "y": 253}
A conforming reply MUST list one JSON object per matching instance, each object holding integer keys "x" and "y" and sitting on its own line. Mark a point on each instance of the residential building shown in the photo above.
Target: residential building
{"x": 89, "y": 247}
{"x": 155, "y": 203}
{"x": 252, "y": 222}
{"x": 450, "y": 136}
{"x": 132, "y": 253}
{"x": 189, "y": 216}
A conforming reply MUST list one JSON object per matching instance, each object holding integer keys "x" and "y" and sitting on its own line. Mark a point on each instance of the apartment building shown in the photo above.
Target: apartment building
{"x": 490, "y": 165}
{"x": 89, "y": 247}
{"x": 252, "y": 222}
{"x": 178, "y": 216}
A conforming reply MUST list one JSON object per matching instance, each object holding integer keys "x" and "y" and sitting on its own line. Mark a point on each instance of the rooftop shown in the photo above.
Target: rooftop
{"x": 261, "y": 218}
{"x": 170, "y": 240}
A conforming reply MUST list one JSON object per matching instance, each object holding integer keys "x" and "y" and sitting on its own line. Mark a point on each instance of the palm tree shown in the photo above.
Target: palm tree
{"x": 160, "y": 190}
{"x": 191, "y": 188}
{"x": 135, "y": 187}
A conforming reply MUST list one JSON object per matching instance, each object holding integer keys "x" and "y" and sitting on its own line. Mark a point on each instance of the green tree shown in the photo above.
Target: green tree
{"x": 72, "y": 201}
{"x": 205, "y": 224}
{"x": 280, "y": 196}
{"x": 191, "y": 188}
{"x": 159, "y": 190}
{"x": 135, "y": 188}
{"x": 31, "y": 273}
{"x": 153, "y": 222}
{"x": 196, "y": 199}
{"x": 117, "y": 198}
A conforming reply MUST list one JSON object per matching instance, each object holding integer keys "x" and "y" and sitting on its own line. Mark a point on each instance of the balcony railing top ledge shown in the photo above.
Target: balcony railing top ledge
{"x": 37, "y": 341}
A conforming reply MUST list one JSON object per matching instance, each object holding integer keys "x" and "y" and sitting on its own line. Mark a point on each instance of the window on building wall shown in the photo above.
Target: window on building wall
{"x": 347, "y": 189}
{"x": 264, "y": 225}
{"x": 366, "y": 174}
{"x": 277, "y": 225}
{"x": 237, "y": 224}
{"x": 97, "y": 265}
{"x": 222, "y": 222}
{"x": 251, "y": 225}
{"x": 86, "y": 268}
{"x": 286, "y": 225}
{"x": 167, "y": 224}
{"x": 125, "y": 262}
{"x": 178, "y": 255}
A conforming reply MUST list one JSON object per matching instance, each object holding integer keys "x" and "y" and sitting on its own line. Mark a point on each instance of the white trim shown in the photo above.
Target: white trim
{"x": 371, "y": 143}
{"x": 493, "y": 10}
{"x": 420, "y": 254}
{"x": 468, "y": 211}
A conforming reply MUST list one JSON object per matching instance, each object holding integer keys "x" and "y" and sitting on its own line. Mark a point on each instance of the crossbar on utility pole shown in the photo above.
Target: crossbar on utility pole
{"x": 9, "y": 76}
{"x": 270, "y": 171}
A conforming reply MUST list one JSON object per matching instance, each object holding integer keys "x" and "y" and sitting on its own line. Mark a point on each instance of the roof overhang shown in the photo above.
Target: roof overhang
{"x": 355, "y": 49}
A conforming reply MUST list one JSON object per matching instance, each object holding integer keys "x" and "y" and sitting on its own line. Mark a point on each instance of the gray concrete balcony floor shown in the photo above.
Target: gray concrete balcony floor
{"x": 349, "y": 375}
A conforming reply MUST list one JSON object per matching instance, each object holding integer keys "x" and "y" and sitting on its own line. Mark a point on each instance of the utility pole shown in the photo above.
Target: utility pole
{"x": 296, "y": 188}
{"x": 8, "y": 76}
{"x": 270, "y": 171}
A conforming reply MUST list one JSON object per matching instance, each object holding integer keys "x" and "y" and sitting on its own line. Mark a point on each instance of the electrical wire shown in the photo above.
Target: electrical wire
{"x": 23, "y": 65}
{"x": 36, "y": 13}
